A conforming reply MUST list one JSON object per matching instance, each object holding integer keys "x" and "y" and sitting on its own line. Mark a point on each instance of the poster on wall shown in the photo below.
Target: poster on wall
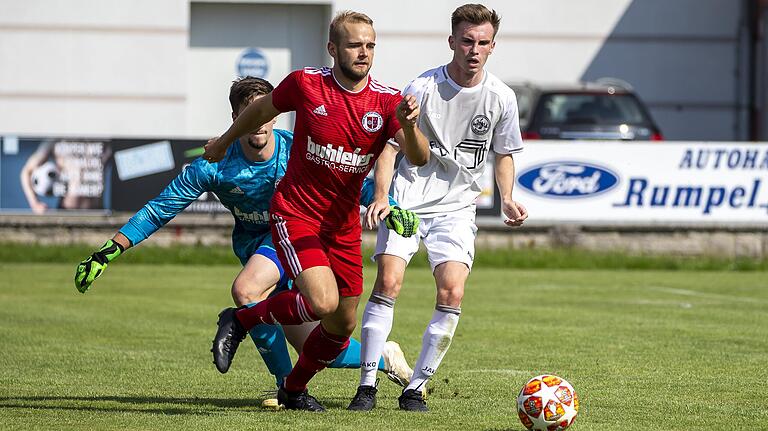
{"x": 143, "y": 168}
{"x": 57, "y": 175}
{"x": 583, "y": 182}
{"x": 644, "y": 183}
{"x": 51, "y": 174}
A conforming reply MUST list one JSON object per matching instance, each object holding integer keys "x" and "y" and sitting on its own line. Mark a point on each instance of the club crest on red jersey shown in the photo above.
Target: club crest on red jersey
{"x": 372, "y": 121}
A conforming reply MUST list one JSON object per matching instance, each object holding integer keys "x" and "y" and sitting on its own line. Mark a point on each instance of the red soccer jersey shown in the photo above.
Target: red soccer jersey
{"x": 337, "y": 137}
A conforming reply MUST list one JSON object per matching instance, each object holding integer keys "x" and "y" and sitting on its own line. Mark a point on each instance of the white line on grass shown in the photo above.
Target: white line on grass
{"x": 494, "y": 371}
{"x": 653, "y": 302}
{"x": 717, "y": 296}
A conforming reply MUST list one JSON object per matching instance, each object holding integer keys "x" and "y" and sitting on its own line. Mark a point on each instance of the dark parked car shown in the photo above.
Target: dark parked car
{"x": 607, "y": 110}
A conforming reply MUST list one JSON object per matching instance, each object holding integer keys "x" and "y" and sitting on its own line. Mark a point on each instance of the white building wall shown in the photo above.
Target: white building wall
{"x": 288, "y": 36}
{"x": 122, "y": 68}
{"x": 546, "y": 40}
{"x": 80, "y": 67}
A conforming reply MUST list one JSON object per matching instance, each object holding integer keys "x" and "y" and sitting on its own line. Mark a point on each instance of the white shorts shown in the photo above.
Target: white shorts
{"x": 447, "y": 237}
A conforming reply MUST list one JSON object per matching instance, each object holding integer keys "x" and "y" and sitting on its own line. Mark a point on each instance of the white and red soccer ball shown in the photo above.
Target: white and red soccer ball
{"x": 547, "y": 403}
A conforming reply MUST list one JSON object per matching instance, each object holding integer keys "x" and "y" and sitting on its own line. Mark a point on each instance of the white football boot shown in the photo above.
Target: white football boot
{"x": 396, "y": 367}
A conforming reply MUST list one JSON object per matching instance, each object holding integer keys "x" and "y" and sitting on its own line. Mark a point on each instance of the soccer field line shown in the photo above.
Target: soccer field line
{"x": 660, "y": 302}
{"x": 686, "y": 292}
{"x": 493, "y": 371}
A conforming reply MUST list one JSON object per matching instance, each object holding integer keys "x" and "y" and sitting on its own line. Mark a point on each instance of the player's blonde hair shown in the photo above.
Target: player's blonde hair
{"x": 343, "y": 17}
{"x": 475, "y": 14}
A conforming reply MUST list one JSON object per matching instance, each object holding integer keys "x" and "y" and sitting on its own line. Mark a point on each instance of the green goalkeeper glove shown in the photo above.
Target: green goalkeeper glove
{"x": 403, "y": 222}
{"x": 94, "y": 265}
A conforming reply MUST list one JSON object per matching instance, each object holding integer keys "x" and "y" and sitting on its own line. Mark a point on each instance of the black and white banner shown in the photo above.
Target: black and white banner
{"x": 74, "y": 175}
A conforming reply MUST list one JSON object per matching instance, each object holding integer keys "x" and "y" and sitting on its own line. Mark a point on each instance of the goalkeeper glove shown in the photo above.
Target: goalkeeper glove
{"x": 403, "y": 222}
{"x": 94, "y": 265}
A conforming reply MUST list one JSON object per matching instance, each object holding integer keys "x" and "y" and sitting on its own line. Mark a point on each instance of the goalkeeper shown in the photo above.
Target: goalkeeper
{"x": 244, "y": 182}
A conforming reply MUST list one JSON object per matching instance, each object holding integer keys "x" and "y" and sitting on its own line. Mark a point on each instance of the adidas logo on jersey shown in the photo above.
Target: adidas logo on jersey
{"x": 320, "y": 110}
{"x": 237, "y": 191}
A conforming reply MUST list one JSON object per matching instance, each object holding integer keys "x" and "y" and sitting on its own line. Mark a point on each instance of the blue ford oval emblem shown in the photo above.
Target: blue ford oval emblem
{"x": 567, "y": 179}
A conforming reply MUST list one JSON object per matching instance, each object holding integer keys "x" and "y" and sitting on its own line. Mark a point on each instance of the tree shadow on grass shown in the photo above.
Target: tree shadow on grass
{"x": 166, "y": 406}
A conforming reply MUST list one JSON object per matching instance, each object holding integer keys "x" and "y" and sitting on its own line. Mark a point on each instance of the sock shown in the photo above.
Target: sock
{"x": 320, "y": 349}
{"x": 285, "y": 308}
{"x": 270, "y": 342}
{"x": 350, "y": 357}
{"x": 434, "y": 344}
{"x": 377, "y": 324}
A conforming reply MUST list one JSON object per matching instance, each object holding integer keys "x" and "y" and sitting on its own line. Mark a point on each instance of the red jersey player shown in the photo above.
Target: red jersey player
{"x": 343, "y": 120}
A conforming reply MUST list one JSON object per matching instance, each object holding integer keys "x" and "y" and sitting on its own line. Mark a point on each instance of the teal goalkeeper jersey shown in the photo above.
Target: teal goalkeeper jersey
{"x": 244, "y": 187}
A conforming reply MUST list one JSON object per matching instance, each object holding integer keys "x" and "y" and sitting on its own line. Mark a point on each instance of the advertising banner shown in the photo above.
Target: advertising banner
{"x": 57, "y": 175}
{"x": 489, "y": 201}
{"x": 143, "y": 168}
{"x": 45, "y": 175}
{"x": 558, "y": 181}
{"x": 644, "y": 183}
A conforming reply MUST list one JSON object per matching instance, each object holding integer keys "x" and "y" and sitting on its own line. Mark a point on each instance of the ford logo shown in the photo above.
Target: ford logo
{"x": 567, "y": 179}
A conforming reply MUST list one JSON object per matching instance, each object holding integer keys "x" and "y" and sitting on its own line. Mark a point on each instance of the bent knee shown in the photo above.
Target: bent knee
{"x": 244, "y": 293}
{"x": 324, "y": 307}
{"x": 239, "y": 294}
{"x": 388, "y": 285}
{"x": 451, "y": 295}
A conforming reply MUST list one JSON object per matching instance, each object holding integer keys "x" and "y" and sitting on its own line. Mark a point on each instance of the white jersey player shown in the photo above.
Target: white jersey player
{"x": 466, "y": 112}
{"x": 462, "y": 125}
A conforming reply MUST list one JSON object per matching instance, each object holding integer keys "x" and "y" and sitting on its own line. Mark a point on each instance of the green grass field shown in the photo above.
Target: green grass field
{"x": 645, "y": 350}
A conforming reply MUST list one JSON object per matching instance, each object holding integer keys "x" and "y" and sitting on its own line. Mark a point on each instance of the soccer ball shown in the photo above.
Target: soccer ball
{"x": 547, "y": 403}
{"x": 44, "y": 178}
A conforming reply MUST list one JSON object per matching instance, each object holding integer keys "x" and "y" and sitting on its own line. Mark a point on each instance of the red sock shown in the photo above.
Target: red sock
{"x": 285, "y": 308}
{"x": 320, "y": 349}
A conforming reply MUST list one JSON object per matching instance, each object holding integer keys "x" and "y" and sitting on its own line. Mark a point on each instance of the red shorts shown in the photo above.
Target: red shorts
{"x": 301, "y": 245}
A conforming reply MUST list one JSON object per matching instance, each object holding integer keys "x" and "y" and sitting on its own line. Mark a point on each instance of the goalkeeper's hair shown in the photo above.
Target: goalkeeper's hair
{"x": 245, "y": 89}
{"x": 475, "y": 14}
{"x": 344, "y": 17}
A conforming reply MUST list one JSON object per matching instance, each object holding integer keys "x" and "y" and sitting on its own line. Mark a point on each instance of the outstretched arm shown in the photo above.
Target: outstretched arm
{"x": 255, "y": 115}
{"x": 183, "y": 190}
{"x": 122, "y": 240}
{"x": 514, "y": 211}
{"x": 414, "y": 144}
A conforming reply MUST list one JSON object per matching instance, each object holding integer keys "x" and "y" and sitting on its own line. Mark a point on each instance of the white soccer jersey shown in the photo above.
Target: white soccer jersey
{"x": 461, "y": 124}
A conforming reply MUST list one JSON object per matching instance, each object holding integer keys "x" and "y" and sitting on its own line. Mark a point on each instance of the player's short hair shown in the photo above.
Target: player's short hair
{"x": 244, "y": 89}
{"x": 476, "y": 14}
{"x": 343, "y": 17}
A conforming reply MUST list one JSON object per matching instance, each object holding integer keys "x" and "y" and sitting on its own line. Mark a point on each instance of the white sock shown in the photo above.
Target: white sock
{"x": 377, "y": 324}
{"x": 434, "y": 344}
